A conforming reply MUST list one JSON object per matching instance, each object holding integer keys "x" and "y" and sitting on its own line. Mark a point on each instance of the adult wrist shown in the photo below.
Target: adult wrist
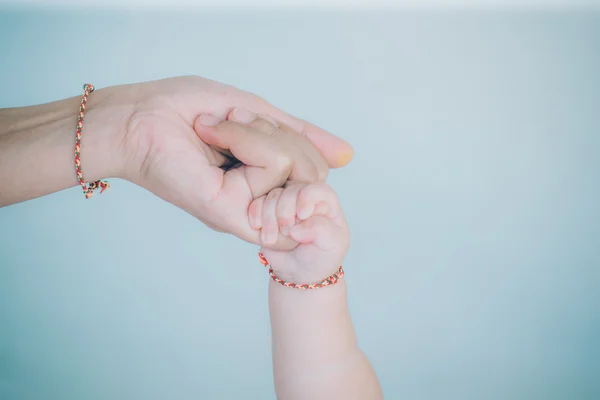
{"x": 103, "y": 150}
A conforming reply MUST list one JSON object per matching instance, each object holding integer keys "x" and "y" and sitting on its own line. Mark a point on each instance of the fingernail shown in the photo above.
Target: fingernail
{"x": 242, "y": 116}
{"x": 285, "y": 230}
{"x": 209, "y": 120}
{"x": 343, "y": 157}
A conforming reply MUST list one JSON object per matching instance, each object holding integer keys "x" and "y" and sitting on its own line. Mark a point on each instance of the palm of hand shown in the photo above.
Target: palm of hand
{"x": 183, "y": 170}
{"x": 173, "y": 163}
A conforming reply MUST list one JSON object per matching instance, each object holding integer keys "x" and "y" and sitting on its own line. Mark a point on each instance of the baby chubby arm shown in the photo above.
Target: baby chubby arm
{"x": 315, "y": 351}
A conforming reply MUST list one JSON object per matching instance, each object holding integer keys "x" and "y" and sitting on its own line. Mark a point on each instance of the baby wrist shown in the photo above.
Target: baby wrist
{"x": 314, "y": 278}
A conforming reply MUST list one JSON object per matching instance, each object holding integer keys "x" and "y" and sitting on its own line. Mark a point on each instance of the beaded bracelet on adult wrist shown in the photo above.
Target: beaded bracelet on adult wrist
{"x": 88, "y": 188}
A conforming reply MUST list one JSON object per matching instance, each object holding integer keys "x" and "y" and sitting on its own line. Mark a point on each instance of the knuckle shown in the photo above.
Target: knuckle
{"x": 269, "y": 120}
{"x": 283, "y": 162}
{"x": 229, "y": 126}
{"x": 296, "y": 129}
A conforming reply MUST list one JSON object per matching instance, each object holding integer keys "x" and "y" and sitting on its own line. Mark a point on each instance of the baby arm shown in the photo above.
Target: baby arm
{"x": 315, "y": 352}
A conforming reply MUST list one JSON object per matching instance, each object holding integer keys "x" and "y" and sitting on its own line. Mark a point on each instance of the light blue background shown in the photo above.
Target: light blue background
{"x": 473, "y": 200}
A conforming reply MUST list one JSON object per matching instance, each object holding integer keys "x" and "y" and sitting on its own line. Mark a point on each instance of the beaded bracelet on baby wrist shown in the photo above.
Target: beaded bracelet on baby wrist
{"x": 89, "y": 188}
{"x": 330, "y": 280}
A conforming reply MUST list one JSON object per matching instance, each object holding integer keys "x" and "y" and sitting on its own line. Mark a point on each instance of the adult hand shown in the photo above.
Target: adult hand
{"x": 150, "y": 134}
{"x": 166, "y": 156}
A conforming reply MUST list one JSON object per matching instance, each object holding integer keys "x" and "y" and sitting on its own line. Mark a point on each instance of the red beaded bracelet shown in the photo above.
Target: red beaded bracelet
{"x": 88, "y": 189}
{"x": 330, "y": 280}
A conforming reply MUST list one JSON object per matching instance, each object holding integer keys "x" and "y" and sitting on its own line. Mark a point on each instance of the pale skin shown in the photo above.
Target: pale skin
{"x": 178, "y": 138}
{"x": 172, "y": 137}
{"x": 315, "y": 351}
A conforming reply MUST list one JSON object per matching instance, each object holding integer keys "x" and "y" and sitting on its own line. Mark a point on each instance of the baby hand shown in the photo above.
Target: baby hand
{"x": 311, "y": 215}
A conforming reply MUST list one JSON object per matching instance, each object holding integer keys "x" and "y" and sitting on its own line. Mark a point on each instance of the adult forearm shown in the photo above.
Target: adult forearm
{"x": 315, "y": 353}
{"x": 37, "y": 146}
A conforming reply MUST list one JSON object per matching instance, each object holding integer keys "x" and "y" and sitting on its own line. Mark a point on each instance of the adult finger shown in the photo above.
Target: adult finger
{"x": 308, "y": 164}
{"x": 319, "y": 165}
{"x": 268, "y": 161}
{"x": 309, "y": 168}
{"x": 335, "y": 150}
{"x": 261, "y": 123}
